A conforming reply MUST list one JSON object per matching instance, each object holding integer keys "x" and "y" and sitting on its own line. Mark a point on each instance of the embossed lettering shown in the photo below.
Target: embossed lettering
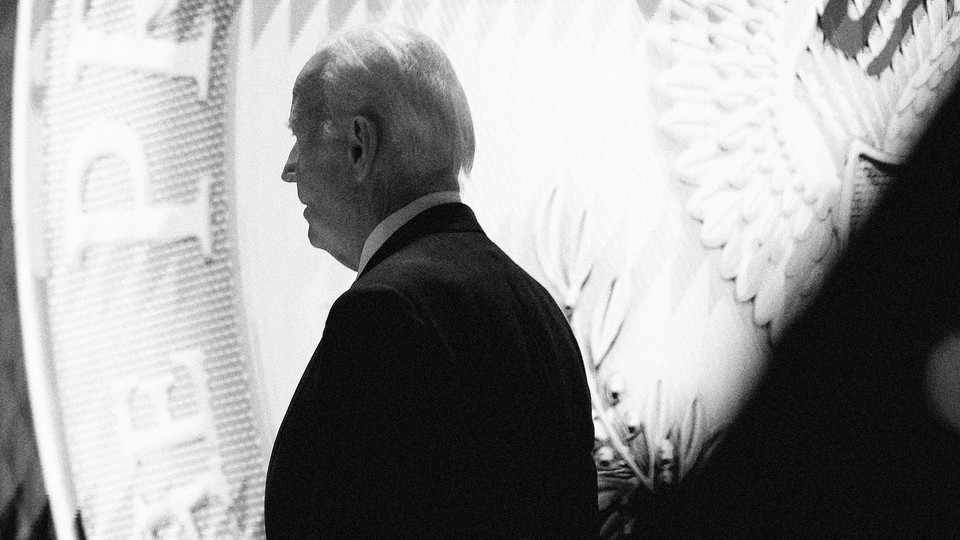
{"x": 142, "y": 51}
{"x": 144, "y": 222}
{"x": 851, "y": 35}
{"x": 166, "y": 431}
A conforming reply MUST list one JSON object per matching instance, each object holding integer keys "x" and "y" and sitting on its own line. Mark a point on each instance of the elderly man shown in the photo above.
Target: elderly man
{"x": 447, "y": 397}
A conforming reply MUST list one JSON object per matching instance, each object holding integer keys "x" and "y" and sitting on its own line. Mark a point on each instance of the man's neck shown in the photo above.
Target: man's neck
{"x": 389, "y": 225}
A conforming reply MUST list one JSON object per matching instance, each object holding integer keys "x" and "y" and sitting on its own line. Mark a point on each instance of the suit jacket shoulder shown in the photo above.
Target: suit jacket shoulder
{"x": 447, "y": 398}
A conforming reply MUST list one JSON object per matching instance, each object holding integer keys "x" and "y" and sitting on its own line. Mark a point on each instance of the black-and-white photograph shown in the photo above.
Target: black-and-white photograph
{"x": 533, "y": 269}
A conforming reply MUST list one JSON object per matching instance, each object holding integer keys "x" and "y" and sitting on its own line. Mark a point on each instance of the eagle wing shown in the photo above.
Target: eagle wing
{"x": 764, "y": 116}
{"x": 760, "y": 174}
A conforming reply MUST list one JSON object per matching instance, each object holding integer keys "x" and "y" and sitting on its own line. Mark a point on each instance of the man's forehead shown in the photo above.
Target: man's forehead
{"x": 302, "y": 85}
{"x": 307, "y": 73}
{"x": 306, "y": 86}
{"x": 299, "y": 86}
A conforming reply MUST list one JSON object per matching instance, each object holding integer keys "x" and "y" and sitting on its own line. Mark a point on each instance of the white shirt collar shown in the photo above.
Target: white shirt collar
{"x": 385, "y": 229}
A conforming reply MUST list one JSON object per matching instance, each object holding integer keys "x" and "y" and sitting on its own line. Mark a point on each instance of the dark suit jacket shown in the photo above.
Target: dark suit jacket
{"x": 447, "y": 398}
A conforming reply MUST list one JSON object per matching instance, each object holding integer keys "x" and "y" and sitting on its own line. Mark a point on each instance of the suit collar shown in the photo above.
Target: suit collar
{"x": 394, "y": 221}
{"x": 449, "y": 217}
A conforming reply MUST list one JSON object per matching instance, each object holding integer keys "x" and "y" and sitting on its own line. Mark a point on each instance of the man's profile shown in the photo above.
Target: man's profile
{"x": 447, "y": 396}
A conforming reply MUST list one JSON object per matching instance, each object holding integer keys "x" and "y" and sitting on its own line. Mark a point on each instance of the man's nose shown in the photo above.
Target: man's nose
{"x": 289, "y": 173}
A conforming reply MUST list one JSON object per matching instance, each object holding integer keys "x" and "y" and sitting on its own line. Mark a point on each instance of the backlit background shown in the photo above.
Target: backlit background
{"x": 679, "y": 174}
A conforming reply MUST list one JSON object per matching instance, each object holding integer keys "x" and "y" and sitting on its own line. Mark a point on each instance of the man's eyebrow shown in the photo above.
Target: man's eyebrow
{"x": 293, "y": 119}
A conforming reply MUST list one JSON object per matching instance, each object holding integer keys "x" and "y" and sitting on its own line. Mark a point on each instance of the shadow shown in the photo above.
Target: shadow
{"x": 840, "y": 438}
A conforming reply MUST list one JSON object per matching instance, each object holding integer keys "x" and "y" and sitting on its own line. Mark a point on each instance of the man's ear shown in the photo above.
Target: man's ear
{"x": 363, "y": 146}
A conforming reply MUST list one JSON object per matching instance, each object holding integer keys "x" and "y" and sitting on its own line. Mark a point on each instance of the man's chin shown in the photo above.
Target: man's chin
{"x": 316, "y": 242}
{"x": 313, "y": 235}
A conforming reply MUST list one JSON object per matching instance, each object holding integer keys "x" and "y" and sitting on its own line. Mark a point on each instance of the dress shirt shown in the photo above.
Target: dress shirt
{"x": 382, "y": 232}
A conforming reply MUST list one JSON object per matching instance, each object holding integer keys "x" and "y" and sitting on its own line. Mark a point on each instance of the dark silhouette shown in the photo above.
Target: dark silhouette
{"x": 840, "y": 439}
{"x": 447, "y": 397}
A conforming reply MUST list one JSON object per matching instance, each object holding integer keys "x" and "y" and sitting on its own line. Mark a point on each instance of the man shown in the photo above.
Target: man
{"x": 447, "y": 397}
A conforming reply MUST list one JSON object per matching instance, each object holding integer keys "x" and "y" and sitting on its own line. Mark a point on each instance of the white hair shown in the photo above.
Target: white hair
{"x": 402, "y": 81}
